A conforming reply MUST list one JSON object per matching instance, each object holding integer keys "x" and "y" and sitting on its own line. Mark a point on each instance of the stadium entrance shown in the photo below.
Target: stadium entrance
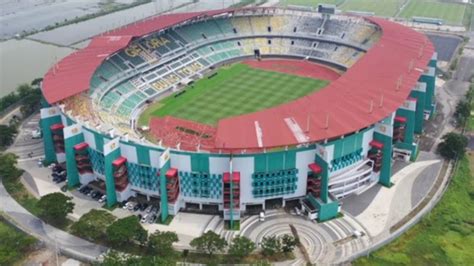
{"x": 274, "y": 203}
{"x": 254, "y": 209}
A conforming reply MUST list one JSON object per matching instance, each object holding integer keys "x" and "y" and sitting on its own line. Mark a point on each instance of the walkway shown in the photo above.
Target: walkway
{"x": 67, "y": 243}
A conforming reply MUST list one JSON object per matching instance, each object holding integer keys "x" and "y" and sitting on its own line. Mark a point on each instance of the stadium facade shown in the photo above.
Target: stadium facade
{"x": 315, "y": 150}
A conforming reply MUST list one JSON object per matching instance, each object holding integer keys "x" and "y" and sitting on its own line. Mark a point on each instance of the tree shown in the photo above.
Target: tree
{"x": 7, "y": 135}
{"x": 36, "y": 82}
{"x": 209, "y": 243}
{"x": 241, "y": 247}
{"x": 93, "y": 224}
{"x": 161, "y": 243}
{"x": 288, "y": 243}
{"x": 453, "y": 146}
{"x": 31, "y": 102}
{"x": 54, "y": 207}
{"x": 124, "y": 231}
{"x": 463, "y": 111}
{"x": 271, "y": 245}
{"x": 8, "y": 163}
{"x": 24, "y": 90}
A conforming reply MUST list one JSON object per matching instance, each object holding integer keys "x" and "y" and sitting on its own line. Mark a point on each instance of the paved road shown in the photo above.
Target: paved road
{"x": 50, "y": 235}
{"x": 24, "y": 145}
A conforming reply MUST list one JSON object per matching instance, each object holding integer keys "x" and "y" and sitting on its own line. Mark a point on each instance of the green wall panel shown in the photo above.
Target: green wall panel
{"x": 143, "y": 155}
{"x": 386, "y": 170}
{"x": 109, "y": 177}
{"x": 163, "y": 191}
{"x": 274, "y": 161}
{"x": 290, "y": 159}
{"x": 200, "y": 163}
{"x": 71, "y": 167}
{"x": 420, "y": 109}
{"x": 48, "y": 146}
{"x": 100, "y": 140}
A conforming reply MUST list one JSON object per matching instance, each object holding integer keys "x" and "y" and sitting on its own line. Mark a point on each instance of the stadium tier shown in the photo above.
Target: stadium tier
{"x": 315, "y": 149}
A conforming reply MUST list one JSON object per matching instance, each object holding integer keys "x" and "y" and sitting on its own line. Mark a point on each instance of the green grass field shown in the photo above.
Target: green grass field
{"x": 443, "y": 237}
{"x": 235, "y": 90}
{"x": 451, "y": 13}
{"x": 386, "y": 8}
{"x": 14, "y": 245}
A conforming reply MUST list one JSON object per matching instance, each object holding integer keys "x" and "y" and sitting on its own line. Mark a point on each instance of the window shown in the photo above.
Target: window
{"x": 269, "y": 29}
{"x": 269, "y": 41}
{"x": 239, "y": 44}
{"x": 294, "y": 29}
{"x": 292, "y": 42}
{"x": 235, "y": 30}
{"x": 204, "y": 36}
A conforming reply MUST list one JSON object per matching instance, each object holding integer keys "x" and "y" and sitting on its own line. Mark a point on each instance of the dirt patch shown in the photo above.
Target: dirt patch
{"x": 296, "y": 67}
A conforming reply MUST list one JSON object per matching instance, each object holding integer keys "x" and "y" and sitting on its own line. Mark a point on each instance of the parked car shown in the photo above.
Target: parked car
{"x": 57, "y": 168}
{"x": 148, "y": 209}
{"x": 136, "y": 207}
{"x": 84, "y": 188}
{"x": 152, "y": 219}
{"x": 262, "y": 217}
{"x": 131, "y": 206}
{"x": 98, "y": 195}
{"x": 126, "y": 204}
{"x": 36, "y": 133}
{"x": 87, "y": 191}
{"x": 95, "y": 194}
{"x": 103, "y": 199}
{"x": 59, "y": 179}
{"x": 144, "y": 219}
{"x": 143, "y": 206}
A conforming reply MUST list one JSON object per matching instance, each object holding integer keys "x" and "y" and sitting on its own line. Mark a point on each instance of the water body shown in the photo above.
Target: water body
{"x": 21, "y": 61}
{"x": 17, "y": 16}
{"x": 74, "y": 33}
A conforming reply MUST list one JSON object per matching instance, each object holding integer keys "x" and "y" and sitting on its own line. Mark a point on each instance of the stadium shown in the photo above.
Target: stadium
{"x": 236, "y": 111}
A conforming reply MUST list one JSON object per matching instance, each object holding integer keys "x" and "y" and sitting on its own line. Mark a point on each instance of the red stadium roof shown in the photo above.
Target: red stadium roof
{"x": 73, "y": 73}
{"x": 374, "y": 87}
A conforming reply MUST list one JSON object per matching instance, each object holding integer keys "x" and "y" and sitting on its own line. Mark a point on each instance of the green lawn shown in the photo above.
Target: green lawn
{"x": 451, "y": 13}
{"x": 386, "y": 8}
{"x": 14, "y": 245}
{"x": 443, "y": 237}
{"x": 235, "y": 90}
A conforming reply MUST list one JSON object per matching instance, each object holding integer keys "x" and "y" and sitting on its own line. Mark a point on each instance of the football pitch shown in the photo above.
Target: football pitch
{"x": 451, "y": 13}
{"x": 386, "y": 8}
{"x": 234, "y": 90}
